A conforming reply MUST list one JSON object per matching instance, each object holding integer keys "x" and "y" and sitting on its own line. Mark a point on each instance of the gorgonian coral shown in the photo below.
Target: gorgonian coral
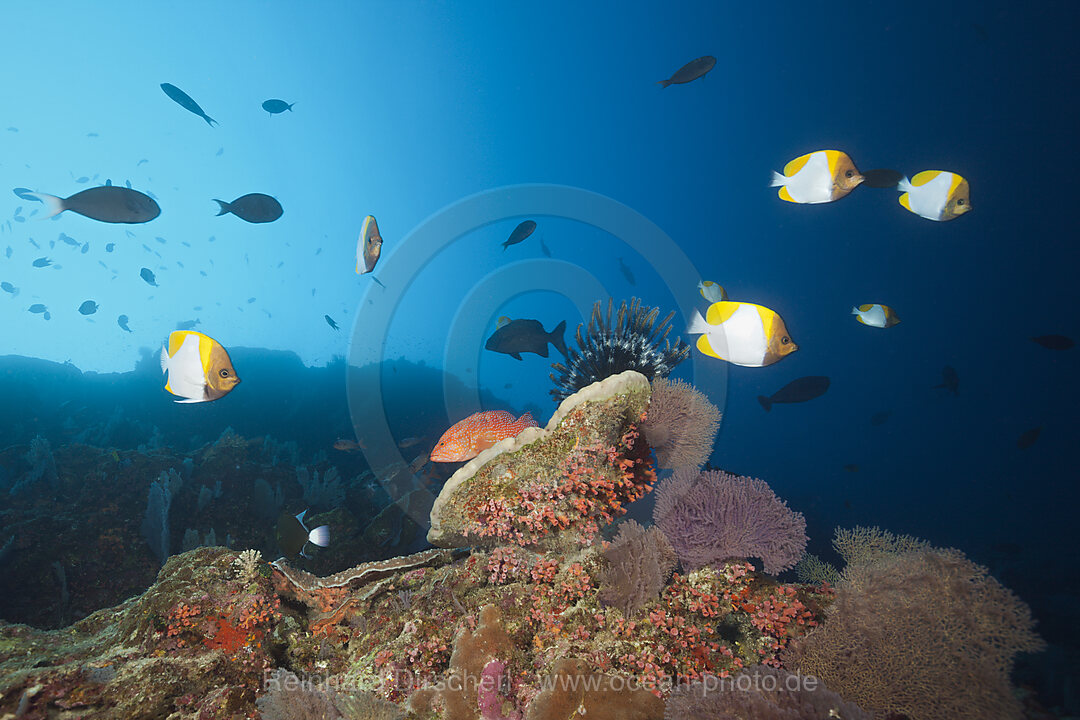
{"x": 681, "y": 425}
{"x": 715, "y": 516}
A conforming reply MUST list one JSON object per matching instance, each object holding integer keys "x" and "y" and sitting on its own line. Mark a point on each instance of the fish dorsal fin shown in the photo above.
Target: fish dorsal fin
{"x": 176, "y": 341}
{"x": 924, "y": 177}
{"x": 866, "y": 307}
{"x": 957, "y": 181}
{"x": 718, "y": 313}
{"x": 768, "y": 319}
{"x": 833, "y": 157}
{"x": 797, "y": 164}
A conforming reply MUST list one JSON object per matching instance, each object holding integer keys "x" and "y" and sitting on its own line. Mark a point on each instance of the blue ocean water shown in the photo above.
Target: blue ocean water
{"x": 406, "y": 110}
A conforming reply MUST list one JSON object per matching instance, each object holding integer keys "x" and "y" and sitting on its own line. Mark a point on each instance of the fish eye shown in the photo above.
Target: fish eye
{"x": 849, "y": 173}
{"x": 785, "y": 340}
{"x": 224, "y": 373}
{"x": 960, "y": 201}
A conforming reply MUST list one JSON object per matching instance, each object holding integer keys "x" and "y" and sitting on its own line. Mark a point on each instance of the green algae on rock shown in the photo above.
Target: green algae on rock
{"x": 553, "y": 487}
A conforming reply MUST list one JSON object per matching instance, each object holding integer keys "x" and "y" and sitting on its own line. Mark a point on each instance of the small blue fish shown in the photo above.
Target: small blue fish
{"x": 85, "y": 248}
{"x": 330, "y": 322}
{"x": 42, "y": 262}
{"x": 277, "y": 106}
{"x": 109, "y": 247}
{"x": 122, "y": 321}
{"x": 37, "y": 308}
{"x": 148, "y": 275}
{"x": 88, "y": 308}
{"x": 9, "y": 288}
{"x": 68, "y": 239}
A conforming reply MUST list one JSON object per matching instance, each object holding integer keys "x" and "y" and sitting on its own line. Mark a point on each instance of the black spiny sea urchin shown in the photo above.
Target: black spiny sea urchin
{"x": 632, "y": 343}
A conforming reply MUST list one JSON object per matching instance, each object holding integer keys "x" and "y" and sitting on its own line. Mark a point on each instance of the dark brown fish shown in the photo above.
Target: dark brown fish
{"x": 520, "y": 336}
{"x": 253, "y": 207}
{"x": 107, "y": 203}
{"x": 690, "y": 71}
{"x": 881, "y": 178}
{"x": 950, "y": 379}
{"x": 1054, "y": 342}
{"x": 1028, "y": 438}
{"x": 797, "y": 391}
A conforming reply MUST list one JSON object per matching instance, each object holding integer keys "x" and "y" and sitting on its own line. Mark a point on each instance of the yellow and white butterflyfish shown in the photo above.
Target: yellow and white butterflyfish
{"x": 199, "y": 367}
{"x": 875, "y": 315}
{"x": 711, "y": 291}
{"x": 368, "y": 246}
{"x": 742, "y": 334}
{"x": 936, "y": 195}
{"x": 818, "y": 177}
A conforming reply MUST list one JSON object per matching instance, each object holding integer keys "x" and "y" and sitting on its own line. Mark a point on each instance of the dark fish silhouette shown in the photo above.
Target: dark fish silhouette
{"x": 330, "y": 322}
{"x": 253, "y": 207}
{"x": 65, "y": 238}
{"x": 950, "y": 380}
{"x": 109, "y": 247}
{"x": 37, "y": 308}
{"x": 544, "y": 248}
{"x": 148, "y": 275}
{"x": 187, "y": 324}
{"x": 518, "y": 336}
{"x": 25, "y": 193}
{"x": 626, "y": 272}
{"x": 122, "y": 321}
{"x": 9, "y": 288}
{"x": 42, "y": 262}
{"x": 106, "y": 203}
{"x": 521, "y": 232}
{"x": 690, "y": 71}
{"x": 1028, "y": 438}
{"x": 88, "y": 308}
{"x": 881, "y": 178}
{"x": 1054, "y": 342}
{"x": 797, "y": 391}
{"x": 277, "y": 106}
{"x": 184, "y": 100}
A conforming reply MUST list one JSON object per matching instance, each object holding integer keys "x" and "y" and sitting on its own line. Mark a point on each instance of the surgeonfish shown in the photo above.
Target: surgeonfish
{"x": 797, "y": 391}
{"x": 252, "y": 208}
{"x": 275, "y": 106}
{"x": 199, "y": 368}
{"x": 293, "y": 535}
{"x": 184, "y": 100}
{"x": 875, "y": 315}
{"x": 368, "y": 246}
{"x": 106, "y": 203}
{"x": 818, "y": 177}
{"x": 520, "y": 233}
{"x": 936, "y": 195}
{"x": 690, "y": 71}
{"x": 742, "y": 334}
{"x": 469, "y": 437}
{"x": 711, "y": 291}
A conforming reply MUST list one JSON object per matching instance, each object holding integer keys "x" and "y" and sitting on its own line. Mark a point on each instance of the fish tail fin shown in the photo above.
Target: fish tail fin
{"x": 777, "y": 180}
{"x": 854, "y": 310}
{"x": 210, "y": 121}
{"x": 663, "y": 83}
{"x": 164, "y": 358}
{"x": 290, "y": 107}
{"x": 697, "y": 325}
{"x": 557, "y": 339}
{"x": 320, "y": 536}
{"x": 765, "y": 402}
{"x": 53, "y": 204}
{"x": 904, "y": 185}
{"x": 224, "y": 207}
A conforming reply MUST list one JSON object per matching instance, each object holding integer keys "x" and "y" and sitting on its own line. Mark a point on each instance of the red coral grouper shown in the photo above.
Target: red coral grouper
{"x": 468, "y": 438}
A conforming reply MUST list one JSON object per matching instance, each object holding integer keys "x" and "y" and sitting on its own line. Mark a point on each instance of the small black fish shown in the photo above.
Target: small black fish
{"x": 277, "y": 106}
{"x": 879, "y": 418}
{"x": 881, "y": 178}
{"x": 42, "y": 262}
{"x": 950, "y": 380}
{"x": 122, "y": 321}
{"x": 88, "y": 308}
{"x": 626, "y": 272}
{"x": 1054, "y": 342}
{"x": 797, "y": 391}
{"x": 106, "y": 203}
{"x": 522, "y": 231}
{"x": 1028, "y": 438}
{"x": 187, "y": 324}
{"x": 330, "y": 322}
{"x": 520, "y": 336}
{"x": 253, "y": 207}
{"x": 184, "y": 100}
{"x": 148, "y": 275}
{"x": 544, "y": 248}
{"x": 690, "y": 71}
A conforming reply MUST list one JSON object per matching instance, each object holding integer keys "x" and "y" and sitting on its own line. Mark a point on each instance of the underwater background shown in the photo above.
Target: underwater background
{"x": 463, "y": 119}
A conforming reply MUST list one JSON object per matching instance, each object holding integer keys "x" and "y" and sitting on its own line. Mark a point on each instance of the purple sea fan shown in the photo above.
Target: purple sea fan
{"x": 715, "y": 516}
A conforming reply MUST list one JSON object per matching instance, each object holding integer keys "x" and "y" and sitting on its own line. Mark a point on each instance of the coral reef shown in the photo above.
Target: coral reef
{"x": 919, "y": 632}
{"x": 557, "y": 484}
{"x": 639, "y": 563}
{"x": 631, "y": 343}
{"x": 681, "y": 425}
{"x": 714, "y": 516}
